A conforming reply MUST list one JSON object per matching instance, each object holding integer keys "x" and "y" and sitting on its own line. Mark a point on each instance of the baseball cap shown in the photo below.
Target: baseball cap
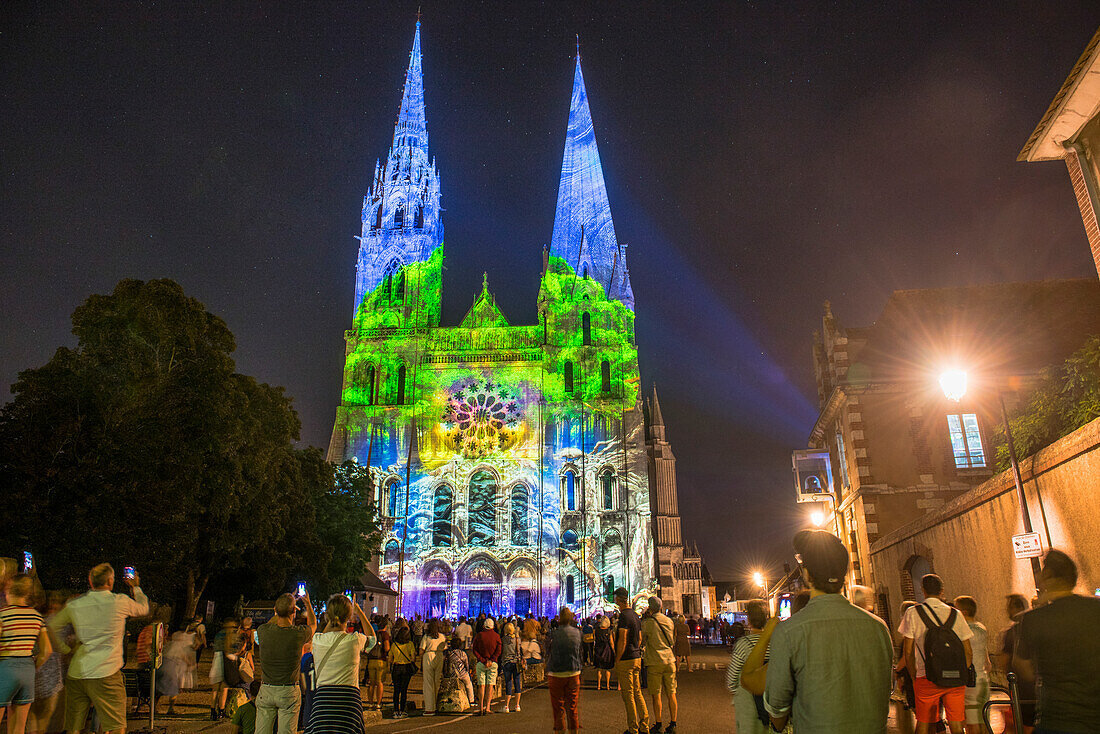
{"x": 822, "y": 554}
{"x": 489, "y": 624}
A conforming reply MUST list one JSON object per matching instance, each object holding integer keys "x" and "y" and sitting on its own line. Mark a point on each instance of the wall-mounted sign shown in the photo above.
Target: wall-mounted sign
{"x": 1027, "y": 545}
{"x": 813, "y": 475}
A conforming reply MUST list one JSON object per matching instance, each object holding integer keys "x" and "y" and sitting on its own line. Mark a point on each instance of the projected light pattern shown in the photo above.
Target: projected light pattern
{"x": 527, "y": 478}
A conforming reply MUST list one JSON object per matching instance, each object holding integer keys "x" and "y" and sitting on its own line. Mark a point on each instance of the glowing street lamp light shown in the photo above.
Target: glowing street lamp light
{"x": 817, "y": 517}
{"x": 758, "y": 579}
{"x": 953, "y": 383}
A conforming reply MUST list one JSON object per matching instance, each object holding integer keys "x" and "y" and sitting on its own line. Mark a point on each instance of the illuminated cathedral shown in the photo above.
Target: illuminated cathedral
{"x": 510, "y": 461}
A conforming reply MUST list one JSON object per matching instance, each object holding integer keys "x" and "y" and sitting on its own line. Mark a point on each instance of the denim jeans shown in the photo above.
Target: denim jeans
{"x": 277, "y": 703}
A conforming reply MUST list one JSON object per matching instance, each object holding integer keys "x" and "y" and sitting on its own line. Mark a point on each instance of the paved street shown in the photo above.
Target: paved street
{"x": 704, "y": 707}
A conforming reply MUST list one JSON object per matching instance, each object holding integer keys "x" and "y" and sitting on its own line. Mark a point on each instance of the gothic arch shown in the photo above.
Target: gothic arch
{"x": 437, "y": 573}
{"x": 481, "y": 568}
{"x": 482, "y": 492}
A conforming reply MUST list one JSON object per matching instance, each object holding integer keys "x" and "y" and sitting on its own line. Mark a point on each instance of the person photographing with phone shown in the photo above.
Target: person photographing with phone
{"x": 337, "y": 704}
{"x": 281, "y": 643}
{"x": 98, "y": 619}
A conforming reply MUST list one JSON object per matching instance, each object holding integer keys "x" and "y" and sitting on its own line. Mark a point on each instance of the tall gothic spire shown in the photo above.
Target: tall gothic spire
{"x": 411, "y": 120}
{"x": 584, "y": 233}
{"x": 401, "y": 222}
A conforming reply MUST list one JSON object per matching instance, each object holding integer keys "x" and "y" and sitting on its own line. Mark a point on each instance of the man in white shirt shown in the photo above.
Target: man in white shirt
{"x": 929, "y": 695}
{"x": 95, "y": 679}
{"x": 464, "y": 632}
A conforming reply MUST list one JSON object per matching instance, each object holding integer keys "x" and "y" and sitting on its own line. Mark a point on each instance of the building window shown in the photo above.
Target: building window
{"x": 569, "y": 377}
{"x": 609, "y": 588}
{"x": 569, "y": 489}
{"x": 441, "y": 516}
{"x": 399, "y": 289}
{"x": 519, "y": 515}
{"x": 586, "y": 329}
{"x": 606, "y": 487}
{"x": 966, "y": 441}
{"x": 483, "y": 490}
{"x": 569, "y": 589}
{"x": 401, "y": 385}
{"x": 605, "y": 376}
{"x": 394, "y": 495}
{"x": 569, "y": 539}
{"x": 418, "y": 221}
{"x": 399, "y": 217}
{"x": 393, "y": 551}
{"x": 370, "y": 385}
{"x": 842, "y": 460}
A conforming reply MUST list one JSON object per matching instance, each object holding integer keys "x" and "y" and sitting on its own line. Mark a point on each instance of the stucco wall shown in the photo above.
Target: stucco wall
{"x": 968, "y": 541}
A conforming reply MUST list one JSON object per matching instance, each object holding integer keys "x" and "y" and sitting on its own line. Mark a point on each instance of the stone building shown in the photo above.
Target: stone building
{"x": 899, "y": 449}
{"x": 679, "y": 569}
{"x": 1070, "y": 132}
{"x": 510, "y": 460}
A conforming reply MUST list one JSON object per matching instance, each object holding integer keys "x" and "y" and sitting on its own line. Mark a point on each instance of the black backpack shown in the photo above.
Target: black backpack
{"x": 944, "y": 655}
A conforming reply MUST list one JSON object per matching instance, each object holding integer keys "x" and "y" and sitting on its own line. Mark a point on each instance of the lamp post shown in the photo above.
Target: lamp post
{"x": 954, "y": 383}
{"x": 759, "y": 580}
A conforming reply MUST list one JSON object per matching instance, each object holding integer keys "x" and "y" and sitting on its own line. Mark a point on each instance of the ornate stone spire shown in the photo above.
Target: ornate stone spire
{"x": 584, "y": 233}
{"x": 412, "y": 128}
{"x": 401, "y": 213}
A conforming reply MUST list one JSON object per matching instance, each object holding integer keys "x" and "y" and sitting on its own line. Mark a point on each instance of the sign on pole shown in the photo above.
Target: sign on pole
{"x": 813, "y": 475}
{"x": 1027, "y": 545}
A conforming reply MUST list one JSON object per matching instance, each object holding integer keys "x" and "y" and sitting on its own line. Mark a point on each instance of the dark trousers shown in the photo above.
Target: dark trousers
{"x": 401, "y": 675}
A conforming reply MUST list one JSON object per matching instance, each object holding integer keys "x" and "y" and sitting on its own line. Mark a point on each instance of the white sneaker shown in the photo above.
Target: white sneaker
{"x": 506, "y": 711}
{"x": 517, "y": 708}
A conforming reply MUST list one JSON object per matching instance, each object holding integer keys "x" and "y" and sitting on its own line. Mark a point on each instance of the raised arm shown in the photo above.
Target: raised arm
{"x": 311, "y": 618}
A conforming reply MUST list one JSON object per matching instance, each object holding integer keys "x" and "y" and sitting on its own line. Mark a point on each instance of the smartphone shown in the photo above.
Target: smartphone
{"x": 785, "y": 607}
{"x": 347, "y": 593}
{"x": 128, "y": 572}
{"x": 301, "y": 589}
{"x": 256, "y": 636}
{"x": 28, "y": 561}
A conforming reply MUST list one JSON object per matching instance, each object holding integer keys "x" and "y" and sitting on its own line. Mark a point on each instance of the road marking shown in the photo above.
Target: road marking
{"x": 439, "y": 723}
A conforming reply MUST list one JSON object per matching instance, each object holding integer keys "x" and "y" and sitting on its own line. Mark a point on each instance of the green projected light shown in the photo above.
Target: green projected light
{"x": 509, "y": 460}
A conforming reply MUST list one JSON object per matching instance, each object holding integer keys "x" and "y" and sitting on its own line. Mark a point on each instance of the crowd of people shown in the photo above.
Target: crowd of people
{"x": 833, "y": 665}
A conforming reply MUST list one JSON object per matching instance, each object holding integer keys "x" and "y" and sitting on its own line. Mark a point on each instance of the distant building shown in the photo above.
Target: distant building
{"x": 898, "y": 448}
{"x": 1070, "y": 131}
{"x": 679, "y": 569}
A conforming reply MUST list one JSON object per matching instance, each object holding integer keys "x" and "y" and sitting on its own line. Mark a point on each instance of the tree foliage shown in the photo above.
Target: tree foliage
{"x": 142, "y": 446}
{"x": 1067, "y": 398}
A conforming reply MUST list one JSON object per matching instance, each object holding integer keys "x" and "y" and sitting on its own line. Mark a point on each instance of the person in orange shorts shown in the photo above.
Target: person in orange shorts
{"x": 931, "y": 694}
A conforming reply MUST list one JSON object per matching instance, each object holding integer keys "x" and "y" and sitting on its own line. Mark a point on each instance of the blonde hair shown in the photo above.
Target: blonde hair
{"x": 339, "y": 608}
{"x": 509, "y": 630}
{"x": 22, "y": 587}
{"x": 8, "y": 568}
{"x": 531, "y": 629}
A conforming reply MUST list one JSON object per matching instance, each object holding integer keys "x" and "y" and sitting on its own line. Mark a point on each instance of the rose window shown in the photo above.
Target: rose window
{"x": 481, "y": 418}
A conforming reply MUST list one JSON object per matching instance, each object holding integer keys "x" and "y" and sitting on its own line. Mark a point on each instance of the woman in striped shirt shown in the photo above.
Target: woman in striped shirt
{"x": 21, "y": 626}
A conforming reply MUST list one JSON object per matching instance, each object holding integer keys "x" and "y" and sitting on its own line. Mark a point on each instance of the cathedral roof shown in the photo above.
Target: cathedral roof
{"x": 484, "y": 313}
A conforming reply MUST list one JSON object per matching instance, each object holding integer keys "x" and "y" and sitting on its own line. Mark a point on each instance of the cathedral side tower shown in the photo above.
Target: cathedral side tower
{"x": 401, "y": 223}
{"x": 679, "y": 571}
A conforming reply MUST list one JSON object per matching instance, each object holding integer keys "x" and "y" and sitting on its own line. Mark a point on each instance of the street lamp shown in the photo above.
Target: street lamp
{"x": 953, "y": 383}
{"x": 817, "y": 517}
{"x": 758, "y": 579}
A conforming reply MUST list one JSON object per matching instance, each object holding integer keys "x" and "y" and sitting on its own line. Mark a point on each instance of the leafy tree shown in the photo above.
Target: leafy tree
{"x": 144, "y": 447}
{"x": 1067, "y": 398}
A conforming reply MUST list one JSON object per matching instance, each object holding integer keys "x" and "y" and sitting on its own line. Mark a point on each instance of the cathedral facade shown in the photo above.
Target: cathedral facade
{"x": 510, "y": 461}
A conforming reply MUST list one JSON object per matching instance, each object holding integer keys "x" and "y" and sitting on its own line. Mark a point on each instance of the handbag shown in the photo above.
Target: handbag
{"x": 246, "y": 671}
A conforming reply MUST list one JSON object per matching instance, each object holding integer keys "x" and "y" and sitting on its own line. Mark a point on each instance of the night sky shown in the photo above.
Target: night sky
{"x": 759, "y": 159}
